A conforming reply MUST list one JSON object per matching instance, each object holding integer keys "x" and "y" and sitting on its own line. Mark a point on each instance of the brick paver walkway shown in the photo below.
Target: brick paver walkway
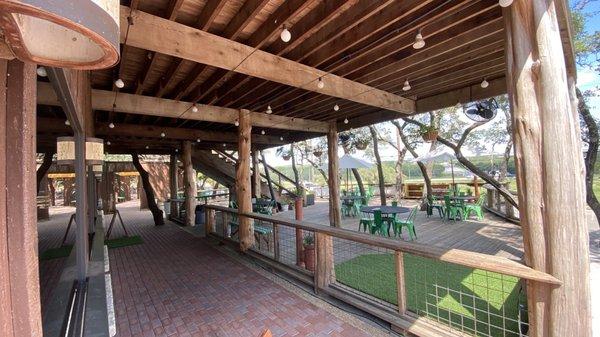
{"x": 178, "y": 285}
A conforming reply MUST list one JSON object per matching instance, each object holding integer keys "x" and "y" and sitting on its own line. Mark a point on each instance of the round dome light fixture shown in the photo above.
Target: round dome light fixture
{"x": 419, "y": 41}
{"x": 119, "y": 83}
{"x": 41, "y": 71}
{"x": 111, "y": 125}
{"x": 406, "y": 86}
{"x": 336, "y": 108}
{"x": 320, "y": 83}
{"x": 285, "y": 35}
{"x": 194, "y": 108}
{"x": 485, "y": 83}
{"x": 77, "y": 34}
{"x": 262, "y": 132}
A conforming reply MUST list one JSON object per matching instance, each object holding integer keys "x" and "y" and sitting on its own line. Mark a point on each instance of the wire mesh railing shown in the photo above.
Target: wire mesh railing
{"x": 425, "y": 287}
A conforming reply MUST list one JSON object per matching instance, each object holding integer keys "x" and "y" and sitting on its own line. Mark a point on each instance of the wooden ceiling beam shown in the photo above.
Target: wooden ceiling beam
{"x": 156, "y": 34}
{"x": 463, "y": 95}
{"x": 154, "y": 106}
{"x": 265, "y": 32}
{"x": 208, "y": 15}
{"x": 241, "y": 20}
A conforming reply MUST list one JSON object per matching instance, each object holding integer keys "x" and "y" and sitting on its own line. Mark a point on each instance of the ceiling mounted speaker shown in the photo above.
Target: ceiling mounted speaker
{"x": 77, "y": 34}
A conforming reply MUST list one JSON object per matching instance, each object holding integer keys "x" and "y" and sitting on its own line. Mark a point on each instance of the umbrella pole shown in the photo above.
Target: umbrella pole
{"x": 452, "y": 168}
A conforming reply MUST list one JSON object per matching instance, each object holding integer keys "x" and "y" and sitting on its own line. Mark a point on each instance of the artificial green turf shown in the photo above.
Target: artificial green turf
{"x": 55, "y": 253}
{"x": 473, "y": 293}
{"x": 124, "y": 241}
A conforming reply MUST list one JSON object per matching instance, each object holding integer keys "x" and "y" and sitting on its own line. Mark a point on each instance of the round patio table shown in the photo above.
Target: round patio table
{"x": 467, "y": 198}
{"x": 385, "y": 209}
{"x": 351, "y": 197}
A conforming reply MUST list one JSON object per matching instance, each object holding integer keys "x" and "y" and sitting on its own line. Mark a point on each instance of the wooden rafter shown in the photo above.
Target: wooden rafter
{"x": 160, "y": 35}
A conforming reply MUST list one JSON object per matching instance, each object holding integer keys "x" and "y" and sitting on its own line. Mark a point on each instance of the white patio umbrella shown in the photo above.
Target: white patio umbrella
{"x": 349, "y": 162}
{"x": 439, "y": 155}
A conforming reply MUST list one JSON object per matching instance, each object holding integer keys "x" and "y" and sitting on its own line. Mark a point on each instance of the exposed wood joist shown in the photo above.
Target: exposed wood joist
{"x": 159, "y": 35}
{"x": 464, "y": 95}
{"x": 153, "y": 106}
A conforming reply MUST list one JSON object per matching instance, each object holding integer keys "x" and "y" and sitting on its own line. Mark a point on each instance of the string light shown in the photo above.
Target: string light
{"x": 269, "y": 110}
{"x": 280, "y": 138}
{"x": 419, "y": 41}
{"x": 147, "y": 147}
{"x": 176, "y": 150}
{"x": 194, "y": 108}
{"x": 505, "y": 3}
{"x": 224, "y": 145}
{"x": 336, "y": 108}
{"x": 162, "y": 135}
{"x": 262, "y": 132}
{"x": 108, "y": 142}
{"x": 285, "y": 35}
{"x": 320, "y": 83}
{"x": 346, "y": 121}
{"x": 406, "y": 86}
{"x": 198, "y": 140}
{"x": 237, "y": 123}
{"x": 67, "y": 122}
{"x": 111, "y": 125}
{"x": 119, "y": 83}
{"x": 485, "y": 83}
{"x": 41, "y": 71}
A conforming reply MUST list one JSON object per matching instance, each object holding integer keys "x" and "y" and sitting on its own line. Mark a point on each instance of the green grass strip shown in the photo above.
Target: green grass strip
{"x": 56, "y": 253}
{"x": 124, "y": 241}
{"x": 478, "y": 302}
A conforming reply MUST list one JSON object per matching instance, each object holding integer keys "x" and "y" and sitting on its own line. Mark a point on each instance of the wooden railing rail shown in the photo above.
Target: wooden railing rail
{"x": 465, "y": 258}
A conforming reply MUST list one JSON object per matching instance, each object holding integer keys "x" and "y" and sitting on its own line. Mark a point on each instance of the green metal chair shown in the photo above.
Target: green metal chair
{"x": 409, "y": 223}
{"x": 476, "y": 208}
{"x": 433, "y": 204}
{"x": 365, "y": 222}
{"x": 378, "y": 224}
{"x": 453, "y": 210}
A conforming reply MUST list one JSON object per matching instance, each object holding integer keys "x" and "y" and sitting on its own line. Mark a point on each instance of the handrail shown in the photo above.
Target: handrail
{"x": 491, "y": 263}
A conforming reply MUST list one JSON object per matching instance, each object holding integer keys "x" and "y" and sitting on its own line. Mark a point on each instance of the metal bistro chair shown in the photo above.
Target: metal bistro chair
{"x": 409, "y": 223}
{"x": 453, "y": 210}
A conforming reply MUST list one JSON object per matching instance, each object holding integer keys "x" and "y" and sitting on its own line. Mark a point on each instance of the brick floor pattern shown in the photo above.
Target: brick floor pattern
{"x": 178, "y": 285}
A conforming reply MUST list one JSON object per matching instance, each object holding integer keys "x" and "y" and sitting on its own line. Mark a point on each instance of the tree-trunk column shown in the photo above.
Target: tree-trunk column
{"x": 19, "y": 278}
{"x": 550, "y": 173}
{"x": 190, "y": 184}
{"x": 256, "y": 174}
{"x": 173, "y": 183}
{"x": 244, "y": 197}
{"x": 335, "y": 218}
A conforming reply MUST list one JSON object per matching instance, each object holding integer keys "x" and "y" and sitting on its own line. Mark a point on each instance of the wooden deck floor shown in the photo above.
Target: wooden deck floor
{"x": 492, "y": 236}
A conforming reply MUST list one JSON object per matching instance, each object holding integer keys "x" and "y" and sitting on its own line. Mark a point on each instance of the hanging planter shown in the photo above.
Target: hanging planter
{"x": 362, "y": 145}
{"x": 317, "y": 153}
{"x": 286, "y": 156}
{"x": 429, "y": 133}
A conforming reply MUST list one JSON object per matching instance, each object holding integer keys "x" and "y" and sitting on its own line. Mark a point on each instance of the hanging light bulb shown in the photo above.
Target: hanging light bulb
{"x": 119, "y": 83}
{"x": 41, "y": 71}
{"x": 280, "y": 138}
{"x": 224, "y": 145}
{"x": 162, "y": 135}
{"x": 320, "y": 83}
{"x": 67, "y": 122}
{"x": 111, "y": 125}
{"x": 108, "y": 142}
{"x": 194, "y": 108}
{"x": 269, "y": 110}
{"x": 406, "y": 86}
{"x": 237, "y": 123}
{"x": 336, "y": 108}
{"x": 176, "y": 150}
{"x": 198, "y": 140}
{"x": 346, "y": 121}
{"x": 419, "y": 41}
{"x": 286, "y": 36}
{"x": 505, "y": 3}
{"x": 485, "y": 83}
{"x": 262, "y": 132}
{"x": 147, "y": 147}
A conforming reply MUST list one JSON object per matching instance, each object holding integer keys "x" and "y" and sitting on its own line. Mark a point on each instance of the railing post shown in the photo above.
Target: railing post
{"x": 299, "y": 236}
{"x": 210, "y": 220}
{"x": 400, "y": 282}
{"x": 324, "y": 272}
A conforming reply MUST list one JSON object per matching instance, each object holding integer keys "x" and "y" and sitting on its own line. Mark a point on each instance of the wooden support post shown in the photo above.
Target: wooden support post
{"x": 210, "y": 220}
{"x": 335, "y": 217}
{"x": 550, "y": 170}
{"x": 476, "y": 186}
{"x": 242, "y": 178}
{"x": 190, "y": 184}
{"x": 324, "y": 273}
{"x": 299, "y": 235}
{"x": 400, "y": 282}
{"x": 256, "y": 174}
{"x": 173, "y": 183}
{"x": 19, "y": 275}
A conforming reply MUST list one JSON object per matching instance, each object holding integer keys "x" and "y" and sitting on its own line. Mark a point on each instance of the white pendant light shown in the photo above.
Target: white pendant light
{"x": 269, "y": 110}
{"x": 119, "y": 83}
{"x": 419, "y": 41}
{"x": 505, "y": 3}
{"x": 320, "y": 83}
{"x": 41, "y": 71}
{"x": 280, "y": 138}
{"x": 111, "y": 125}
{"x": 346, "y": 121}
{"x": 194, "y": 108}
{"x": 108, "y": 142}
{"x": 224, "y": 145}
{"x": 262, "y": 132}
{"x": 162, "y": 135}
{"x": 176, "y": 150}
{"x": 147, "y": 147}
{"x": 485, "y": 83}
{"x": 285, "y": 35}
{"x": 198, "y": 140}
{"x": 336, "y": 108}
{"x": 406, "y": 86}
{"x": 67, "y": 122}
{"x": 237, "y": 123}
